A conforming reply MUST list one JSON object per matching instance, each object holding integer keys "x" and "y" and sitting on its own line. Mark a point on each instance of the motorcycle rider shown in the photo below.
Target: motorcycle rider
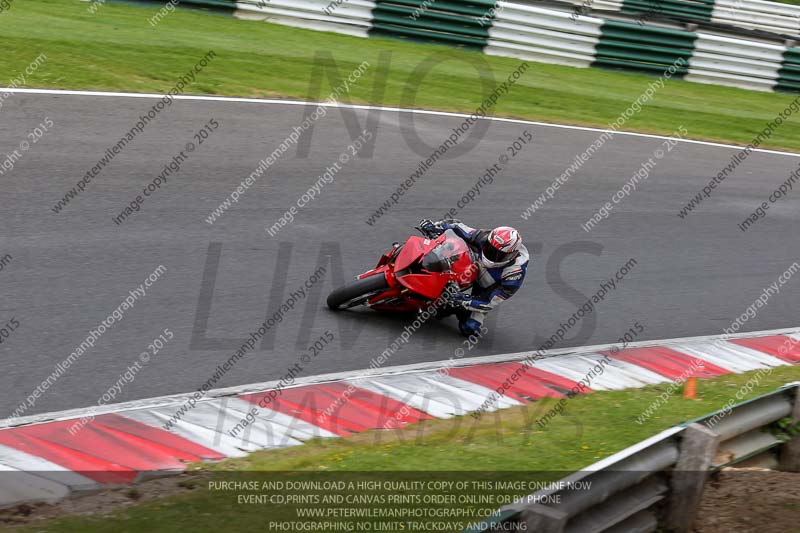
{"x": 501, "y": 270}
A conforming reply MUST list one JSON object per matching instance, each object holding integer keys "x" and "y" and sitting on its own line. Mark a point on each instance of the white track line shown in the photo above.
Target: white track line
{"x": 382, "y": 108}
{"x": 355, "y": 375}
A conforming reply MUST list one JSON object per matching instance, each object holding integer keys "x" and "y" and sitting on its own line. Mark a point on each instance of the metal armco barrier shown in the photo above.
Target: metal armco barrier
{"x": 350, "y": 17}
{"x": 544, "y": 35}
{"x": 657, "y": 484}
{"x": 744, "y": 64}
{"x": 759, "y": 15}
{"x": 763, "y": 15}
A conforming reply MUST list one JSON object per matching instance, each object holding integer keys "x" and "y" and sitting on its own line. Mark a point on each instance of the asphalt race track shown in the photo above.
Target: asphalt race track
{"x": 70, "y": 270}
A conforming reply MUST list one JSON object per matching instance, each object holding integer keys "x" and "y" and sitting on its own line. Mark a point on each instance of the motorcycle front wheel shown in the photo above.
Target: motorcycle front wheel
{"x": 357, "y": 292}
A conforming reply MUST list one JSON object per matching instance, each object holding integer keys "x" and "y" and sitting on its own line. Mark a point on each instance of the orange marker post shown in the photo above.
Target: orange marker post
{"x": 690, "y": 388}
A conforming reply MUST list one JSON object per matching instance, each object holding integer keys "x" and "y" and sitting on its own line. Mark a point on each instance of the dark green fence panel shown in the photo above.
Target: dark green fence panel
{"x": 789, "y": 74}
{"x": 476, "y": 9}
{"x": 683, "y": 10}
{"x": 463, "y": 24}
{"x": 629, "y": 46}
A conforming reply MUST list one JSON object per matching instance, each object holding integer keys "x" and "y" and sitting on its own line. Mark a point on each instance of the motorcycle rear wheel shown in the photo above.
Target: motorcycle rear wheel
{"x": 357, "y": 292}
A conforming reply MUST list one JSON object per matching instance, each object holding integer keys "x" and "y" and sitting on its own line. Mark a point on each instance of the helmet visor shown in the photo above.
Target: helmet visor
{"x": 494, "y": 255}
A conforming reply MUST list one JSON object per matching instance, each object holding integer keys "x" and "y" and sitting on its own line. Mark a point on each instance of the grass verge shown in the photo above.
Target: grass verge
{"x": 591, "y": 427}
{"x": 116, "y": 49}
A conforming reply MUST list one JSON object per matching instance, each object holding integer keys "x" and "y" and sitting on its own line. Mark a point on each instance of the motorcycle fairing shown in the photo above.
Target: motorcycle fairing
{"x": 411, "y": 285}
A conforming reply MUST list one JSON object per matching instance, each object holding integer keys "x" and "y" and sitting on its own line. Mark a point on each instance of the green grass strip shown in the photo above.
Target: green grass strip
{"x": 117, "y": 50}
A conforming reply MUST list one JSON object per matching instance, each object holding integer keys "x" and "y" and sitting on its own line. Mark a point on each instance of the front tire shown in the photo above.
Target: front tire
{"x": 357, "y": 292}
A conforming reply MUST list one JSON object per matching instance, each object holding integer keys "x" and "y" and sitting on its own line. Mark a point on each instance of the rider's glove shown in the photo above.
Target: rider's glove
{"x": 429, "y": 227}
{"x": 458, "y": 299}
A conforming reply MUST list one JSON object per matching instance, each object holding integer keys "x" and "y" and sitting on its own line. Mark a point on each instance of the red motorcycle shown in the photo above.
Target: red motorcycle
{"x": 412, "y": 275}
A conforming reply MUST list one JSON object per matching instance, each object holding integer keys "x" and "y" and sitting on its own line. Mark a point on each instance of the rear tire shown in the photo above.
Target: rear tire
{"x": 357, "y": 292}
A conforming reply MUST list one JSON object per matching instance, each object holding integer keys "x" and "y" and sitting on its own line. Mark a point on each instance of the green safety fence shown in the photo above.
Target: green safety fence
{"x": 789, "y": 74}
{"x": 228, "y": 6}
{"x": 686, "y": 10}
{"x": 464, "y": 24}
{"x": 629, "y": 46}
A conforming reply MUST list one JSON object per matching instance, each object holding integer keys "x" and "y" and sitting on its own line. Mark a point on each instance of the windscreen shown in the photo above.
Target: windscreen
{"x": 445, "y": 254}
